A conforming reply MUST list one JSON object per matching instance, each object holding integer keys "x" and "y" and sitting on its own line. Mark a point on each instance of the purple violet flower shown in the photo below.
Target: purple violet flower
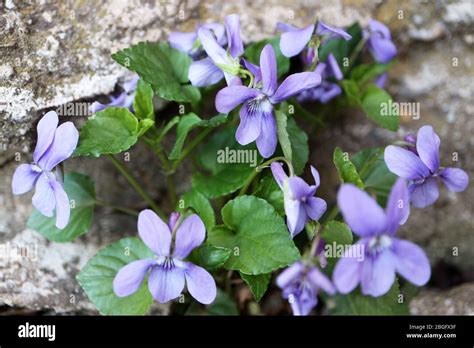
{"x": 257, "y": 122}
{"x": 301, "y": 285}
{"x": 422, "y": 168}
{"x": 327, "y": 90}
{"x": 189, "y": 42}
{"x": 124, "y": 99}
{"x": 383, "y": 253}
{"x": 220, "y": 63}
{"x": 300, "y": 203}
{"x": 294, "y": 40}
{"x": 168, "y": 271}
{"x": 381, "y": 79}
{"x": 380, "y": 42}
{"x": 55, "y": 144}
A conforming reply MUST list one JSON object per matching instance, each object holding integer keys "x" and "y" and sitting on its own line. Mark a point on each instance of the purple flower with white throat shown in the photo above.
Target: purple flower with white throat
{"x": 301, "y": 285}
{"x": 257, "y": 122}
{"x": 380, "y": 42}
{"x": 189, "y": 42}
{"x": 55, "y": 144}
{"x": 327, "y": 90}
{"x": 420, "y": 166}
{"x": 299, "y": 201}
{"x": 124, "y": 99}
{"x": 220, "y": 63}
{"x": 295, "y": 40}
{"x": 383, "y": 253}
{"x": 168, "y": 270}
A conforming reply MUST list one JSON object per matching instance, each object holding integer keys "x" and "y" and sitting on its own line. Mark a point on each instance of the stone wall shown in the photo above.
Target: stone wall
{"x": 54, "y": 52}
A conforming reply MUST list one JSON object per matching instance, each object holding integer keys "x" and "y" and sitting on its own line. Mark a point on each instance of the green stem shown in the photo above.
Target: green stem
{"x": 315, "y": 45}
{"x": 260, "y": 168}
{"x": 195, "y": 142}
{"x": 169, "y": 171}
{"x": 355, "y": 53}
{"x": 314, "y": 246}
{"x": 116, "y": 207}
{"x": 171, "y": 190}
{"x": 309, "y": 116}
{"x": 227, "y": 281}
{"x": 134, "y": 183}
{"x": 246, "y": 73}
{"x": 167, "y": 128}
{"x": 331, "y": 214}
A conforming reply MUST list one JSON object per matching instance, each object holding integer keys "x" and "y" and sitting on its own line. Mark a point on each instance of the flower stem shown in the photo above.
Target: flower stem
{"x": 355, "y": 53}
{"x": 134, "y": 183}
{"x": 168, "y": 169}
{"x": 246, "y": 73}
{"x": 329, "y": 216}
{"x": 309, "y": 116}
{"x": 196, "y": 141}
{"x": 171, "y": 190}
{"x": 167, "y": 128}
{"x": 314, "y": 246}
{"x": 116, "y": 207}
{"x": 260, "y": 168}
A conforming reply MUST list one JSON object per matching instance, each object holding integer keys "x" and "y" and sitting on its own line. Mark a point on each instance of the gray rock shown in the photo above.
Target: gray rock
{"x": 456, "y": 301}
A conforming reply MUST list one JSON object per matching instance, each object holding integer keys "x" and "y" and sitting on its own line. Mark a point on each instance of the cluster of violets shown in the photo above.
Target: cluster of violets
{"x": 217, "y": 52}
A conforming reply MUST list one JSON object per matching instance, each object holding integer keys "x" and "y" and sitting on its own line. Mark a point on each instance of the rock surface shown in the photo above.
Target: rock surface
{"x": 456, "y": 301}
{"x": 53, "y": 53}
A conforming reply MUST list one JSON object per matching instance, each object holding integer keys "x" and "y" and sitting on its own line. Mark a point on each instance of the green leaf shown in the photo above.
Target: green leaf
{"x": 144, "y": 125}
{"x": 226, "y": 175}
{"x": 256, "y": 234}
{"x": 283, "y": 136}
{"x": 228, "y": 180}
{"x": 299, "y": 146}
{"x": 163, "y": 67}
{"x": 223, "y": 305}
{"x": 376, "y": 104}
{"x": 337, "y": 232}
{"x": 97, "y": 276}
{"x": 81, "y": 193}
{"x": 365, "y": 73}
{"x": 186, "y": 124}
{"x": 346, "y": 169}
{"x": 357, "y": 304}
{"x": 271, "y": 192}
{"x": 352, "y": 92}
{"x": 374, "y": 173}
{"x": 109, "y": 131}
{"x": 209, "y": 256}
{"x": 143, "y": 101}
{"x": 258, "y": 284}
{"x": 200, "y": 204}
{"x": 252, "y": 52}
